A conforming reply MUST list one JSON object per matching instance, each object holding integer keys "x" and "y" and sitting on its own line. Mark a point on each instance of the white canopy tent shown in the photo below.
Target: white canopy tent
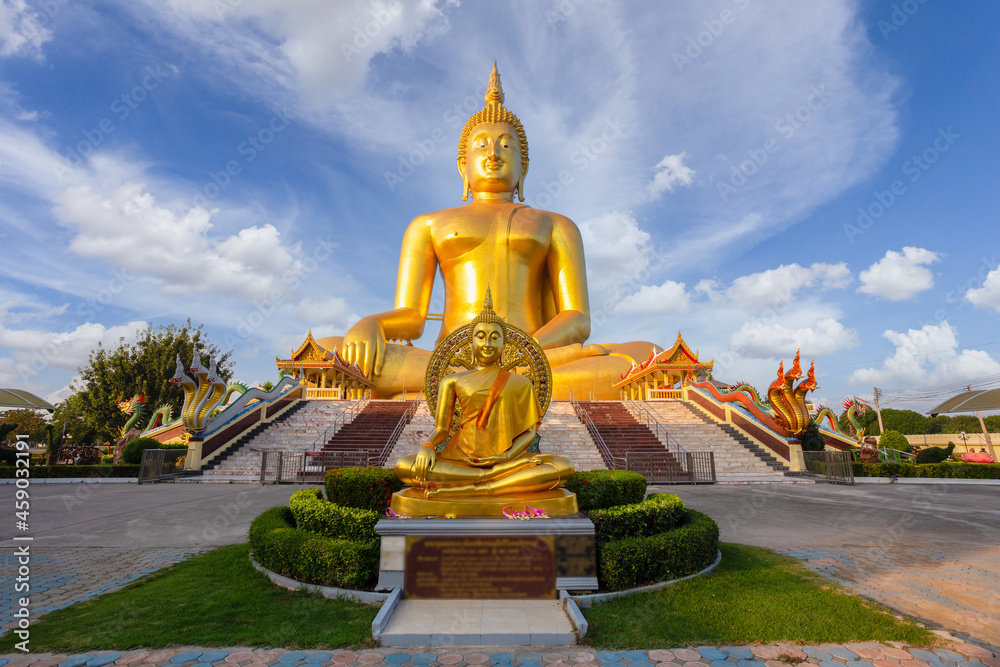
{"x": 18, "y": 398}
{"x": 976, "y": 401}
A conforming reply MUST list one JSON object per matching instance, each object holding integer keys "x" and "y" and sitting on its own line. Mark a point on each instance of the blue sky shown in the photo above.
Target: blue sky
{"x": 760, "y": 176}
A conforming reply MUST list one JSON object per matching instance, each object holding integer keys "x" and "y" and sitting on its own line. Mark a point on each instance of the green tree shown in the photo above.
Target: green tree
{"x": 53, "y": 445}
{"x": 30, "y": 423}
{"x": 939, "y": 424}
{"x": 894, "y": 440}
{"x": 7, "y": 429}
{"x": 144, "y": 367}
{"x": 812, "y": 440}
{"x": 906, "y": 422}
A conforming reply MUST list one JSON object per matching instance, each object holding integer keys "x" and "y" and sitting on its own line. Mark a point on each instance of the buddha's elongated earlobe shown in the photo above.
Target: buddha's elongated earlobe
{"x": 466, "y": 188}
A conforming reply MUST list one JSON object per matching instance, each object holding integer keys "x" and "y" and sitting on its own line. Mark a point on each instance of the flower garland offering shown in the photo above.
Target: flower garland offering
{"x": 528, "y": 513}
{"x": 392, "y": 514}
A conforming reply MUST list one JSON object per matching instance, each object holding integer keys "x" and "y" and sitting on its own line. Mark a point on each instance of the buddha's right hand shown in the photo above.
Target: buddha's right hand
{"x": 364, "y": 345}
{"x": 422, "y": 463}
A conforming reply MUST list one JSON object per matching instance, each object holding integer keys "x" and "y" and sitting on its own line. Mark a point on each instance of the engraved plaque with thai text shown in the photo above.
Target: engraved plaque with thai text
{"x": 480, "y": 567}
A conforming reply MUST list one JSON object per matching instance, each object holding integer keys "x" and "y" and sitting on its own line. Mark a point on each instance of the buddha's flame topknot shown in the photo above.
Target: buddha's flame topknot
{"x": 487, "y": 315}
{"x": 494, "y": 92}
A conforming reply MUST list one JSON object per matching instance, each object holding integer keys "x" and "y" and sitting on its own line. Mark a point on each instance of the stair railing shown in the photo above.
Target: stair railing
{"x": 612, "y": 462}
{"x": 344, "y": 417}
{"x": 398, "y": 431}
{"x": 643, "y": 415}
{"x": 894, "y": 455}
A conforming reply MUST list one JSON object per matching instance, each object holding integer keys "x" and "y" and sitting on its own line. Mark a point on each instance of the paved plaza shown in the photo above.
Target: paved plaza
{"x": 829, "y": 655}
{"x": 931, "y": 551}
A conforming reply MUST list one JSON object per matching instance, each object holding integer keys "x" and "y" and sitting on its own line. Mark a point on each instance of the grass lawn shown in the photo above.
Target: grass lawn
{"x": 214, "y": 599}
{"x": 217, "y": 599}
{"x": 755, "y": 595}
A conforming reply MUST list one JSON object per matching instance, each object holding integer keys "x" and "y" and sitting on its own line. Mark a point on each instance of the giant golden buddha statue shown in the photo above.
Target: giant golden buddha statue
{"x": 478, "y": 458}
{"x": 533, "y": 259}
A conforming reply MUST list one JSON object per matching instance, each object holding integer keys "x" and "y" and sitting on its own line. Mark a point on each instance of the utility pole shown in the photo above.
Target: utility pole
{"x": 878, "y": 411}
{"x": 986, "y": 434}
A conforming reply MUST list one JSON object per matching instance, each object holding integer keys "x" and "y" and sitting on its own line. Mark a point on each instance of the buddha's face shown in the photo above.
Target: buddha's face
{"x": 492, "y": 158}
{"x": 487, "y": 343}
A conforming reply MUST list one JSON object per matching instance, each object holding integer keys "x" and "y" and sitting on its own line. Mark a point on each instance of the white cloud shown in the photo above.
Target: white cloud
{"x": 326, "y": 313}
{"x": 28, "y": 164}
{"x": 116, "y": 218}
{"x": 320, "y": 50}
{"x": 34, "y": 350}
{"x": 899, "y": 276}
{"x": 927, "y": 357}
{"x": 671, "y": 172}
{"x": 987, "y": 296}
{"x": 23, "y": 314}
{"x": 614, "y": 245}
{"x": 773, "y": 287}
{"x": 21, "y": 30}
{"x": 127, "y": 226}
{"x": 774, "y": 340}
{"x": 670, "y": 297}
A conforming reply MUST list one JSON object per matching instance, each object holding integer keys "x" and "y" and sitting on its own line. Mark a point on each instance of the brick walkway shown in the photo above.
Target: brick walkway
{"x": 61, "y": 576}
{"x": 827, "y": 655}
{"x": 958, "y": 589}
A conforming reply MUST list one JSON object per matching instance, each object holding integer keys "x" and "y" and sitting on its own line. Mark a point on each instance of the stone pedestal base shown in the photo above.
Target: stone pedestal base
{"x": 411, "y": 502}
{"x": 569, "y": 544}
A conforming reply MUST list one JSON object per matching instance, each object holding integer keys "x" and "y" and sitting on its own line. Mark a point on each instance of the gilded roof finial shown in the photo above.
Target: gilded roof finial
{"x": 494, "y": 93}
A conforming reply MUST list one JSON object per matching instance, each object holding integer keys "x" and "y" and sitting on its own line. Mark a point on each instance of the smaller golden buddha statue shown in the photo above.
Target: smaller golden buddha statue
{"x": 485, "y": 455}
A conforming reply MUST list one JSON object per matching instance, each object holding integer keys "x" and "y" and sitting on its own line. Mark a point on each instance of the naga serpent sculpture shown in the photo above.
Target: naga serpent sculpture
{"x": 132, "y": 406}
{"x": 785, "y": 411}
{"x": 789, "y": 400}
{"x": 855, "y": 408}
{"x": 203, "y": 395}
{"x": 751, "y": 391}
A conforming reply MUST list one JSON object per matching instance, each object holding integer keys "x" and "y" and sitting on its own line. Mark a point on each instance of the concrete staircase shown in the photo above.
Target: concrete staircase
{"x": 370, "y": 430}
{"x": 561, "y": 432}
{"x": 289, "y": 433}
{"x": 414, "y": 434}
{"x": 563, "y": 435}
{"x": 623, "y": 434}
{"x": 737, "y": 458}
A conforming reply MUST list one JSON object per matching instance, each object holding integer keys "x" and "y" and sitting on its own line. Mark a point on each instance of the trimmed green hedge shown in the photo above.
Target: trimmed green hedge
{"x": 133, "y": 450}
{"x": 934, "y": 454}
{"x": 637, "y": 561}
{"x": 313, "y": 513}
{"x": 929, "y": 470}
{"x": 657, "y": 514}
{"x": 362, "y": 488}
{"x": 307, "y": 557}
{"x": 600, "y": 489}
{"x": 7, "y": 472}
{"x": 132, "y": 454}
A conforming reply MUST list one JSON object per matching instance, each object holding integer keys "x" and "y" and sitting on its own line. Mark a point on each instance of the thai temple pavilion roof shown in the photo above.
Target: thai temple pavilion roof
{"x": 678, "y": 360}
{"x": 313, "y": 356}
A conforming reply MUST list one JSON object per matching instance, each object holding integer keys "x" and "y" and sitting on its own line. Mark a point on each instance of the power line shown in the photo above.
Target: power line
{"x": 927, "y": 393}
{"x": 910, "y": 356}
